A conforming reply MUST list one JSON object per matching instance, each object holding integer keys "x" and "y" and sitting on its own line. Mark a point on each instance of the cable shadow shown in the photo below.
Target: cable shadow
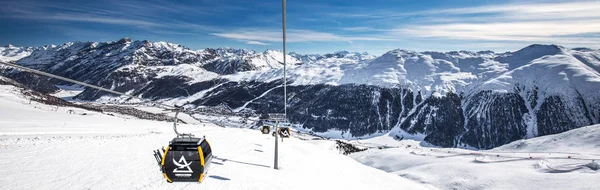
{"x": 240, "y": 162}
{"x": 219, "y": 177}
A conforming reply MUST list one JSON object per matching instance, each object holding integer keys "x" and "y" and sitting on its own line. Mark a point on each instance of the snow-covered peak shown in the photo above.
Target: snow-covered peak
{"x": 12, "y": 53}
{"x": 462, "y": 53}
{"x": 554, "y": 74}
{"x": 486, "y": 52}
{"x": 124, "y": 40}
{"x": 269, "y": 59}
{"x": 339, "y": 54}
{"x": 230, "y": 61}
{"x": 387, "y": 70}
{"x": 164, "y": 46}
{"x": 418, "y": 71}
{"x": 392, "y": 57}
{"x": 526, "y": 55}
{"x": 453, "y": 71}
{"x": 66, "y": 45}
{"x": 453, "y": 56}
{"x": 343, "y": 56}
{"x": 537, "y": 49}
{"x": 353, "y": 55}
{"x": 229, "y": 52}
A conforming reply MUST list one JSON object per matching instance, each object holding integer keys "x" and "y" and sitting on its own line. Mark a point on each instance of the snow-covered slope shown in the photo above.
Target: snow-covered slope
{"x": 45, "y": 147}
{"x": 314, "y": 69}
{"x": 230, "y": 61}
{"x": 421, "y": 72}
{"x": 561, "y": 161}
{"x": 585, "y": 140}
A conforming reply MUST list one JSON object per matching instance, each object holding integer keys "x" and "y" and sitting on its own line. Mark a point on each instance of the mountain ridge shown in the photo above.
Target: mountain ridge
{"x": 459, "y": 98}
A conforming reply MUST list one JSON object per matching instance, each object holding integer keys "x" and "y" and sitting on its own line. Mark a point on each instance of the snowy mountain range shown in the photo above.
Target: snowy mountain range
{"x": 12, "y": 53}
{"x": 454, "y": 99}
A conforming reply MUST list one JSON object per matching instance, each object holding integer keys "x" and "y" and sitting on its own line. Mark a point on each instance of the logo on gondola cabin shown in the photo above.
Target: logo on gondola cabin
{"x": 182, "y": 166}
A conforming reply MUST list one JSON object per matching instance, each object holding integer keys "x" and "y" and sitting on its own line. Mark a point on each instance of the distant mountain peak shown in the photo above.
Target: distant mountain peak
{"x": 343, "y": 52}
{"x": 486, "y": 52}
{"x": 542, "y": 48}
{"x": 124, "y": 40}
{"x": 400, "y": 52}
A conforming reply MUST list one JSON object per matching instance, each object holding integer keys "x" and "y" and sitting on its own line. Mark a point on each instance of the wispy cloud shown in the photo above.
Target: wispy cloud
{"x": 157, "y": 5}
{"x": 94, "y": 19}
{"x": 559, "y": 23}
{"x": 505, "y": 31}
{"x": 52, "y": 12}
{"x": 363, "y": 29}
{"x": 573, "y": 9}
{"x": 548, "y": 10}
{"x": 143, "y": 15}
{"x": 271, "y": 35}
{"x": 257, "y": 43}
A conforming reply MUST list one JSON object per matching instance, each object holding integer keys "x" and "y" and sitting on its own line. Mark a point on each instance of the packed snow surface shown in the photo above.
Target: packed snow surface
{"x": 560, "y": 161}
{"x": 44, "y": 147}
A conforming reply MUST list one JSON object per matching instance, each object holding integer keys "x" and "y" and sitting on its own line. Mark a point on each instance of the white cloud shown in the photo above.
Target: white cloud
{"x": 362, "y": 29}
{"x": 256, "y": 43}
{"x": 568, "y": 9}
{"x": 97, "y": 19}
{"x": 573, "y": 9}
{"x": 571, "y": 23}
{"x": 505, "y": 31}
{"x": 270, "y": 35}
{"x": 120, "y": 14}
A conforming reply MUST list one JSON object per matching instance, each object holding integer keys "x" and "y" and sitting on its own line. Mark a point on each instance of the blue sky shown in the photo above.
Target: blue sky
{"x": 314, "y": 26}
